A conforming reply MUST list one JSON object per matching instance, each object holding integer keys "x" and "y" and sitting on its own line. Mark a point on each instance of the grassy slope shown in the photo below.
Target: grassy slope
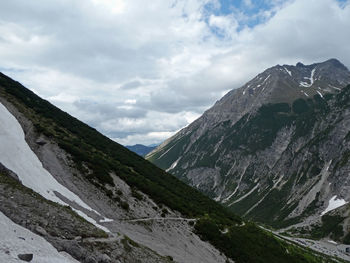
{"x": 102, "y": 155}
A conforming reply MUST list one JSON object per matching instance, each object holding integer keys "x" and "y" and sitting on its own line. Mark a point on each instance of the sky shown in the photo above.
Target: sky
{"x": 139, "y": 71}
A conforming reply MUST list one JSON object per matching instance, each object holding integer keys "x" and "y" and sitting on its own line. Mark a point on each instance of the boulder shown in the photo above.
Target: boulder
{"x": 25, "y": 257}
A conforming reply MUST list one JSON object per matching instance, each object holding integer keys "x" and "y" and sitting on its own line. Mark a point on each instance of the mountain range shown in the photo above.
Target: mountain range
{"x": 275, "y": 150}
{"x": 70, "y": 194}
{"x": 140, "y": 149}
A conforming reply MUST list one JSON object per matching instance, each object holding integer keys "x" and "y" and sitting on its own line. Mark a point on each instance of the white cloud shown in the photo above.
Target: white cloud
{"x": 134, "y": 69}
{"x": 114, "y": 6}
{"x": 248, "y": 3}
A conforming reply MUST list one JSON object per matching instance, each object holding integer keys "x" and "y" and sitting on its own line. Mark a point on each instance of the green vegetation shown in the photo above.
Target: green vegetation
{"x": 331, "y": 226}
{"x": 346, "y": 239}
{"x": 136, "y": 194}
{"x": 344, "y": 160}
{"x": 272, "y": 209}
{"x": 254, "y": 133}
{"x": 250, "y": 244}
{"x": 128, "y": 243}
{"x": 96, "y": 156}
{"x": 173, "y": 150}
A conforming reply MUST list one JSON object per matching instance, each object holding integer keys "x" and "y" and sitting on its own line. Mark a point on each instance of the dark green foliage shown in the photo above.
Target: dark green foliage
{"x": 174, "y": 150}
{"x": 313, "y": 205}
{"x": 274, "y": 203}
{"x": 344, "y": 160}
{"x": 170, "y": 258}
{"x": 136, "y": 194}
{"x": 346, "y": 239}
{"x": 343, "y": 98}
{"x": 165, "y": 211}
{"x": 129, "y": 244}
{"x": 258, "y": 132}
{"x": 307, "y": 113}
{"x": 300, "y": 106}
{"x": 109, "y": 193}
{"x": 347, "y": 137}
{"x": 331, "y": 226}
{"x": 124, "y": 205}
{"x": 250, "y": 244}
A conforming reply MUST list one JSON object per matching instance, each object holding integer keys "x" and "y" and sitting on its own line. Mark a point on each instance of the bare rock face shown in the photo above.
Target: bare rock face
{"x": 25, "y": 257}
{"x": 275, "y": 150}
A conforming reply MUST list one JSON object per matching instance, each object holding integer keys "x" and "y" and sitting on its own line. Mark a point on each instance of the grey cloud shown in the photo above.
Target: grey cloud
{"x": 131, "y": 85}
{"x": 101, "y": 61}
{"x": 106, "y": 111}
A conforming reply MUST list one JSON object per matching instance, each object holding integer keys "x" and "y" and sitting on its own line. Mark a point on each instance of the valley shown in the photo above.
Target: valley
{"x": 107, "y": 204}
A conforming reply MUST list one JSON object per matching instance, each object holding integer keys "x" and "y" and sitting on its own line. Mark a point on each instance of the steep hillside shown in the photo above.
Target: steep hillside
{"x": 275, "y": 150}
{"x": 99, "y": 202}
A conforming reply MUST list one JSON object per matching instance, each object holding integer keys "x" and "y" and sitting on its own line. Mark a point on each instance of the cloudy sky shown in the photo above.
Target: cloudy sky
{"x": 139, "y": 71}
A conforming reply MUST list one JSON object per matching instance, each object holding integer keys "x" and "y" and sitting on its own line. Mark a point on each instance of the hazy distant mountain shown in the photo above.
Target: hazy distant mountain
{"x": 140, "y": 149}
{"x": 276, "y": 150}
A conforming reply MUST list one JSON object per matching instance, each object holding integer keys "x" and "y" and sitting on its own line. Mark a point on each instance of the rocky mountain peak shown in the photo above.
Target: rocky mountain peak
{"x": 278, "y": 84}
{"x": 335, "y": 63}
{"x": 268, "y": 155}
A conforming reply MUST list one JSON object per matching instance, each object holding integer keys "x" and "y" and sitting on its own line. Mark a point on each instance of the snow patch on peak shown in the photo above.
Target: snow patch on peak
{"x": 334, "y": 203}
{"x": 311, "y": 78}
{"x": 288, "y": 71}
{"x": 173, "y": 165}
{"x": 304, "y": 84}
{"x": 319, "y": 93}
{"x": 334, "y": 87}
{"x": 266, "y": 79}
{"x": 305, "y": 93}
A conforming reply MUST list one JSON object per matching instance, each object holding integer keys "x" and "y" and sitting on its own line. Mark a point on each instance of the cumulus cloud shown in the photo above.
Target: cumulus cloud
{"x": 140, "y": 71}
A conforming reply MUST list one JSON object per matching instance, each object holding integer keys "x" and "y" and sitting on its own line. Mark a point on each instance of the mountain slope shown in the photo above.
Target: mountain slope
{"x": 275, "y": 150}
{"x": 146, "y": 213}
{"x": 140, "y": 149}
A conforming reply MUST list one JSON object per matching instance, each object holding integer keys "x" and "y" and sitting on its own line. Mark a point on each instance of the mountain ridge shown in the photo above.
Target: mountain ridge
{"x": 254, "y": 147}
{"x": 249, "y": 97}
{"x": 149, "y": 214}
{"x": 140, "y": 149}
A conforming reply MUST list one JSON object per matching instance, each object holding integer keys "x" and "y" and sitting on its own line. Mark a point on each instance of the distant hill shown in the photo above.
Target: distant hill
{"x": 140, "y": 149}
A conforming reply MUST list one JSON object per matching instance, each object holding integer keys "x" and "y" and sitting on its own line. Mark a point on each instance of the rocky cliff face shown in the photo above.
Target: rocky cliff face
{"x": 275, "y": 150}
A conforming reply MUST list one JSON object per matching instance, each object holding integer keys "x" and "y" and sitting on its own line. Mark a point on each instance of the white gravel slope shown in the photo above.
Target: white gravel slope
{"x": 15, "y": 240}
{"x": 16, "y": 155}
